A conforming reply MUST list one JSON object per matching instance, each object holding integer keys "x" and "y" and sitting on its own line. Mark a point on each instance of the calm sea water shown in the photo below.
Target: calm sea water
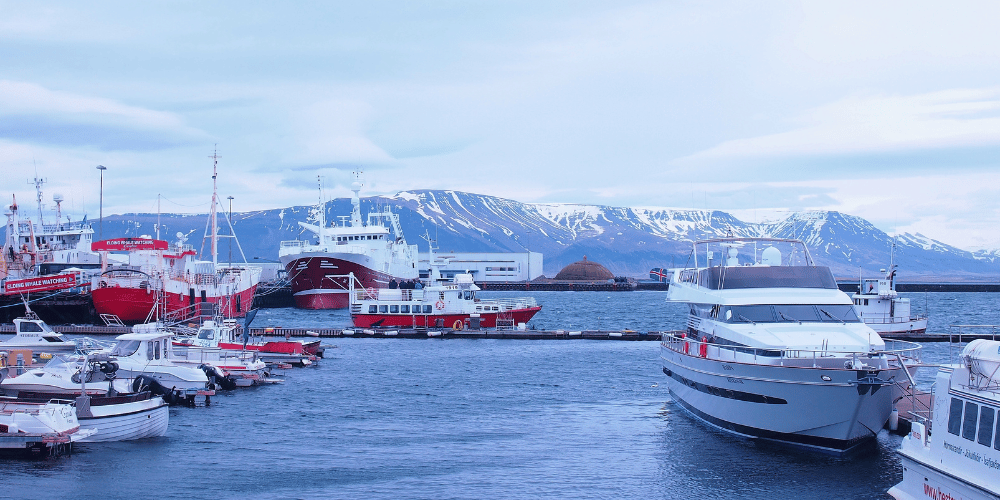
{"x": 395, "y": 418}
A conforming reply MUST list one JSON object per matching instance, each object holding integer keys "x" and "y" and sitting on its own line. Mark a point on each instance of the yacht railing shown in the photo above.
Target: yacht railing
{"x": 898, "y": 353}
{"x": 887, "y": 319}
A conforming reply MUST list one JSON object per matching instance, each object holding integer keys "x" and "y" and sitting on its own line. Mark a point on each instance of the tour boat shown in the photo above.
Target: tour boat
{"x": 172, "y": 277}
{"x": 773, "y": 350}
{"x": 880, "y": 307}
{"x": 441, "y": 304}
{"x": 32, "y": 250}
{"x": 30, "y": 332}
{"x": 961, "y": 458}
{"x": 374, "y": 253}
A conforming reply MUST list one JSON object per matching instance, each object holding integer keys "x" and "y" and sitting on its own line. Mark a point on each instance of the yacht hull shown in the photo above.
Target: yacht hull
{"x": 790, "y": 405}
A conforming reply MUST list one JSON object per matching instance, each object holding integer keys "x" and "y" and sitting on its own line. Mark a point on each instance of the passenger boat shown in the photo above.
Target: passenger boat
{"x": 243, "y": 367}
{"x": 170, "y": 276}
{"x": 773, "y": 350}
{"x": 30, "y": 332}
{"x": 441, "y": 304}
{"x": 375, "y": 253}
{"x": 34, "y": 249}
{"x": 880, "y": 306}
{"x": 102, "y": 401}
{"x": 961, "y": 457}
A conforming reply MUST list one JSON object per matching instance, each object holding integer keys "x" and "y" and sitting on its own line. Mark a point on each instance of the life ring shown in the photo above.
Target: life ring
{"x": 458, "y": 325}
{"x": 439, "y": 305}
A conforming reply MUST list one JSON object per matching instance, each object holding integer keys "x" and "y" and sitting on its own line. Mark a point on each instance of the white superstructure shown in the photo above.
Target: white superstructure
{"x": 774, "y": 350}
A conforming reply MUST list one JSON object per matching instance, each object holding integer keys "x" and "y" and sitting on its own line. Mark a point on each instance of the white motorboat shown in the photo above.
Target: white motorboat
{"x": 960, "y": 456}
{"x": 880, "y": 306}
{"x": 27, "y": 426}
{"x": 244, "y": 368}
{"x": 773, "y": 350}
{"x": 67, "y": 374}
{"x": 146, "y": 352}
{"x": 91, "y": 382}
{"x": 30, "y": 332}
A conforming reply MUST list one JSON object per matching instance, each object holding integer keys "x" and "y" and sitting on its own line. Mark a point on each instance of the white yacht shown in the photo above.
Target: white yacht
{"x": 145, "y": 352}
{"x": 962, "y": 457}
{"x": 773, "y": 350}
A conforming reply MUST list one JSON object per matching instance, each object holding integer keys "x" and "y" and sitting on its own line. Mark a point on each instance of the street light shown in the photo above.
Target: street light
{"x": 231, "y": 230}
{"x": 100, "y": 236}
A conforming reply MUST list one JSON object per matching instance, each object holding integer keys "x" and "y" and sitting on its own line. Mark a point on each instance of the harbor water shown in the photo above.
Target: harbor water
{"x": 434, "y": 418}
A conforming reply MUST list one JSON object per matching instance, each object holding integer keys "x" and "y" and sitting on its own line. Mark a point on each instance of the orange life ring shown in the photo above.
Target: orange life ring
{"x": 439, "y": 305}
{"x": 458, "y": 325}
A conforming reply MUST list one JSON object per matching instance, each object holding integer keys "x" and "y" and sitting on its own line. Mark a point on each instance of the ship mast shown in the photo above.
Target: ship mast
{"x": 356, "y": 201}
{"x": 322, "y": 211}
{"x": 215, "y": 197}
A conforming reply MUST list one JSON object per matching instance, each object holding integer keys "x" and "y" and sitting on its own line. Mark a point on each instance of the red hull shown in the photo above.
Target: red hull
{"x": 277, "y": 347}
{"x": 133, "y": 305}
{"x": 312, "y": 289}
{"x": 487, "y": 320}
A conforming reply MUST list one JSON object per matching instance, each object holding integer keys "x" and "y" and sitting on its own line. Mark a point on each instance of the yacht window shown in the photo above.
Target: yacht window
{"x": 986, "y": 425}
{"x": 30, "y": 327}
{"x": 428, "y": 309}
{"x": 156, "y": 350}
{"x": 49, "y": 338}
{"x": 405, "y": 309}
{"x": 838, "y": 312}
{"x": 125, "y": 348}
{"x": 468, "y": 295}
{"x": 969, "y": 422}
{"x": 955, "y": 417}
{"x": 752, "y": 314}
{"x": 796, "y": 313}
{"x": 372, "y": 309}
{"x": 383, "y": 309}
{"x": 866, "y": 302}
{"x": 394, "y": 309}
{"x": 996, "y": 437}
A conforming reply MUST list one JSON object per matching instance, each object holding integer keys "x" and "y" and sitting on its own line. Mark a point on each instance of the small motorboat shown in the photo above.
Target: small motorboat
{"x": 30, "y": 332}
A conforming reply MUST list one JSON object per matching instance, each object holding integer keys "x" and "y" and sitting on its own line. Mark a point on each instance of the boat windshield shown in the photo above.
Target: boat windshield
{"x": 206, "y": 334}
{"x": 790, "y": 313}
{"x": 31, "y": 326}
{"x": 125, "y": 348}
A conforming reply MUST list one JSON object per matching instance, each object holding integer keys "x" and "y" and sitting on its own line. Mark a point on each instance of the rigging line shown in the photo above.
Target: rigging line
{"x": 183, "y": 205}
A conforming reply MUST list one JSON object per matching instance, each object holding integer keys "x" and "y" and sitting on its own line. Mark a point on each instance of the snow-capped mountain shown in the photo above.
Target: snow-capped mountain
{"x": 629, "y": 241}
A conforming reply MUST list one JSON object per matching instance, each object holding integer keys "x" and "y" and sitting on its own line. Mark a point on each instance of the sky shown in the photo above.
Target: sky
{"x": 885, "y": 110}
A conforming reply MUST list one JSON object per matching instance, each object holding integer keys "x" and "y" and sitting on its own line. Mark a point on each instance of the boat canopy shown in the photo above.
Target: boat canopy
{"x": 733, "y": 278}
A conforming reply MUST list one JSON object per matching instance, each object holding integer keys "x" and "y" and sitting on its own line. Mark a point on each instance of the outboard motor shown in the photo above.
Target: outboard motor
{"x": 147, "y": 383}
{"x": 226, "y": 382}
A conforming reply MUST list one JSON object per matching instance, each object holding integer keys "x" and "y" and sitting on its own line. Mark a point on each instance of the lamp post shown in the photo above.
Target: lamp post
{"x": 102, "y": 168}
{"x": 231, "y": 230}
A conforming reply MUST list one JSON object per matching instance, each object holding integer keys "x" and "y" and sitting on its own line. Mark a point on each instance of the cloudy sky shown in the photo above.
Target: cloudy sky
{"x": 885, "y": 110}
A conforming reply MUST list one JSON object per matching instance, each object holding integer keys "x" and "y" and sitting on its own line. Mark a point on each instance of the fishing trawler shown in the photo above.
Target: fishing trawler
{"x": 161, "y": 279}
{"x": 374, "y": 252}
{"x": 773, "y": 350}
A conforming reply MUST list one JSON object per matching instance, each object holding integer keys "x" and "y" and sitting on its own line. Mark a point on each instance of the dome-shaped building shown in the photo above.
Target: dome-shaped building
{"x": 585, "y": 270}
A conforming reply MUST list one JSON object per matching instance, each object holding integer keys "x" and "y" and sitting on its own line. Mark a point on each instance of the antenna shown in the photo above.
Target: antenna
{"x": 38, "y": 182}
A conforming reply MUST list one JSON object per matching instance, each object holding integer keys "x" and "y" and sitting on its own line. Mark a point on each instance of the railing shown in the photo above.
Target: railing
{"x": 897, "y": 352}
{"x": 293, "y": 244}
{"x": 514, "y": 303}
{"x": 887, "y": 319}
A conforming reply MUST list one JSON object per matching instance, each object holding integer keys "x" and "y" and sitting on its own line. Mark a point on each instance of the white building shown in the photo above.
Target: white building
{"x": 486, "y": 267}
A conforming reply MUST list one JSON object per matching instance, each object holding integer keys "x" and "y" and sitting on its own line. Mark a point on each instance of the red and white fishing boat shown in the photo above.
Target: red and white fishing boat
{"x": 172, "y": 277}
{"x": 442, "y": 304}
{"x": 374, "y": 252}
